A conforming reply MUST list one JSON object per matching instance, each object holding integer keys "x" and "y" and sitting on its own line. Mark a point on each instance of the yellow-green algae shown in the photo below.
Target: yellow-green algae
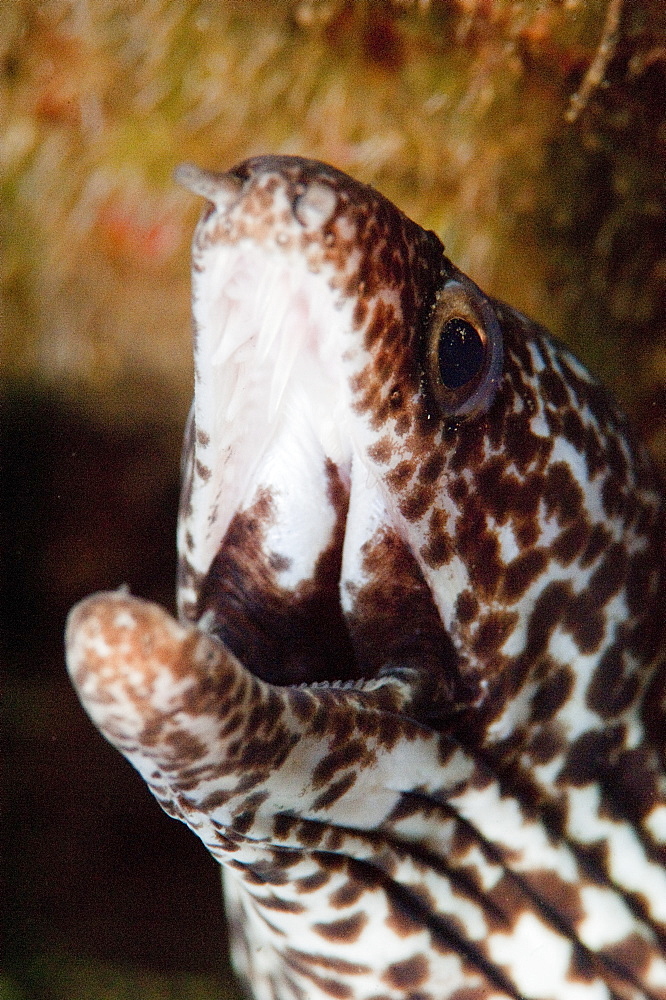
{"x": 53, "y": 976}
{"x": 456, "y": 110}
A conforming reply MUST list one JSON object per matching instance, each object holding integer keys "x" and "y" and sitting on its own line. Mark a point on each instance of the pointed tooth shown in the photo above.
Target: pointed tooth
{"x": 232, "y": 337}
{"x": 288, "y": 349}
{"x": 276, "y": 305}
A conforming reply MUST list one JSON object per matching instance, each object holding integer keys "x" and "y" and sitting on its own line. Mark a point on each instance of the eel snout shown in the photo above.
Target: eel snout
{"x": 204, "y": 732}
{"x": 156, "y": 690}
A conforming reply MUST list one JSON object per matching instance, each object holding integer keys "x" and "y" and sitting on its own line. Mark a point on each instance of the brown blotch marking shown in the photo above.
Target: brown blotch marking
{"x": 310, "y": 834}
{"x": 527, "y": 533}
{"x": 351, "y": 753}
{"x": 202, "y": 471}
{"x": 282, "y": 636}
{"x": 390, "y": 730}
{"x": 468, "y": 450}
{"x": 479, "y": 547}
{"x": 431, "y": 469}
{"x": 310, "y": 883}
{"x": 334, "y": 792}
{"x": 401, "y": 920}
{"x": 394, "y": 618}
{"x": 347, "y": 894}
{"x": 574, "y": 430}
{"x": 634, "y": 953}
{"x": 269, "y": 751}
{"x": 459, "y": 489}
{"x": 284, "y": 858}
{"x": 408, "y": 974}
{"x": 467, "y": 607}
{"x": 439, "y": 549}
{"x": 611, "y": 689}
{"x": 493, "y": 632}
{"x": 599, "y": 540}
{"x": 333, "y": 862}
{"x": 283, "y": 824}
{"x": 403, "y": 424}
{"x": 407, "y": 805}
{"x": 236, "y": 720}
{"x": 360, "y": 312}
{"x": 346, "y": 931}
{"x": 571, "y": 541}
{"x": 187, "y": 747}
{"x": 269, "y": 873}
{"x": 278, "y": 562}
{"x": 589, "y": 756}
{"x": 504, "y": 494}
{"x": 505, "y": 901}
{"x": 609, "y": 576}
{"x": 562, "y": 493}
{"x": 215, "y": 799}
{"x": 359, "y": 383}
{"x": 331, "y": 987}
{"x": 334, "y": 964}
{"x": 563, "y": 897}
{"x": 302, "y": 702}
{"x": 202, "y": 438}
{"x": 381, "y": 451}
{"x": 595, "y": 459}
{"x": 521, "y": 445}
{"x": 585, "y": 623}
{"x": 515, "y": 328}
{"x": 521, "y": 572}
{"x": 280, "y": 905}
{"x": 414, "y": 506}
{"x": 634, "y": 788}
{"x": 265, "y": 717}
{"x": 548, "y": 611}
{"x": 398, "y": 478}
{"x": 552, "y": 694}
{"x": 378, "y": 327}
{"x": 614, "y": 497}
{"x": 243, "y": 821}
{"x": 616, "y": 457}
{"x": 469, "y": 993}
{"x": 546, "y": 744}
{"x": 553, "y": 388}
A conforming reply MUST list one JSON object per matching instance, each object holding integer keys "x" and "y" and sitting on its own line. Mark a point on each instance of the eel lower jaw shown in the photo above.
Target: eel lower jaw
{"x": 176, "y": 702}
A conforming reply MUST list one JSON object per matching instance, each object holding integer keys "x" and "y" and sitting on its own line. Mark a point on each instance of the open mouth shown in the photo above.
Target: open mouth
{"x": 289, "y": 549}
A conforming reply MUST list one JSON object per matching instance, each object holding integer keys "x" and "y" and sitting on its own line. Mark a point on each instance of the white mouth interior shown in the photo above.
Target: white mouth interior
{"x": 271, "y": 398}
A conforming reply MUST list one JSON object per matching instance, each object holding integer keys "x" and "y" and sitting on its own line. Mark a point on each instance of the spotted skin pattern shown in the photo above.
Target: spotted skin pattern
{"x": 414, "y": 704}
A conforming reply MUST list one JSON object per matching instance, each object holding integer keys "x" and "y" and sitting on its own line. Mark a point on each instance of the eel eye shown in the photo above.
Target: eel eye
{"x": 463, "y": 349}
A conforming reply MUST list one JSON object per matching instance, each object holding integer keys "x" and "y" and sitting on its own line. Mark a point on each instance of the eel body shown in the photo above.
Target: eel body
{"x": 414, "y": 703}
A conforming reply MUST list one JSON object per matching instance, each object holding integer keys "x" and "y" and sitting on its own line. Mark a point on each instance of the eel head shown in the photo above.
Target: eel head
{"x": 421, "y": 591}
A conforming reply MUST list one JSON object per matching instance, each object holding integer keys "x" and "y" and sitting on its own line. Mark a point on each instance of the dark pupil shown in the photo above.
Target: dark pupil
{"x": 461, "y": 352}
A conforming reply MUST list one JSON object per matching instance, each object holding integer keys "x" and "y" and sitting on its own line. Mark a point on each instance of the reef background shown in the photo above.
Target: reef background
{"x": 530, "y": 134}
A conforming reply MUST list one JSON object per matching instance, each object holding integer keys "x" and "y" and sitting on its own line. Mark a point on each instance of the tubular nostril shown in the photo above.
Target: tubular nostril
{"x": 220, "y": 188}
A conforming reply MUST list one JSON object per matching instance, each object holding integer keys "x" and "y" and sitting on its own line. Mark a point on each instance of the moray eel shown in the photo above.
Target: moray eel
{"x": 414, "y": 704}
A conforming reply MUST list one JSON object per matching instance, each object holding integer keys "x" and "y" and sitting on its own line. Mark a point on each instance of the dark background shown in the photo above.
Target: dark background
{"x": 91, "y": 867}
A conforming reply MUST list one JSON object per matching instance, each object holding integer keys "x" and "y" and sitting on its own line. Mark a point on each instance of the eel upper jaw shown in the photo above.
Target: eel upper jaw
{"x": 274, "y": 337}
{"x": 268, "y": 389}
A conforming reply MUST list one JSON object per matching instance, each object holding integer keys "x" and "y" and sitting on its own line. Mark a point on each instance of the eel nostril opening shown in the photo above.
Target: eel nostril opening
{"x": 218, "y": 188}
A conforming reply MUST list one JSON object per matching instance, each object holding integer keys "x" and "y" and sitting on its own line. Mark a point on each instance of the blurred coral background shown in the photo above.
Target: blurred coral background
{"x": 530, "y": 134}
